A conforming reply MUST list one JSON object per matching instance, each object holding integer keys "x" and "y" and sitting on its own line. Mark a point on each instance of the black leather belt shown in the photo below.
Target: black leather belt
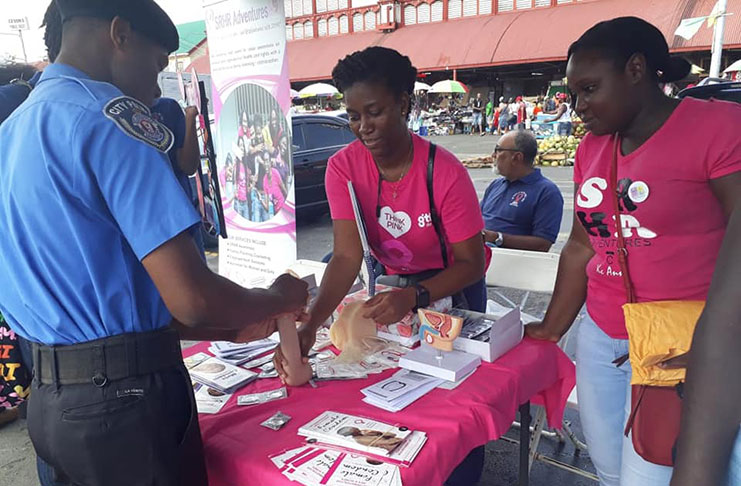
{"x": 108, "y": 359}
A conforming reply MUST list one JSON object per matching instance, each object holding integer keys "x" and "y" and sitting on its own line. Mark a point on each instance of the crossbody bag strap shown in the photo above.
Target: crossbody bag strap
{"x": 433, "y": 211}
{"x": 622, "y": 252}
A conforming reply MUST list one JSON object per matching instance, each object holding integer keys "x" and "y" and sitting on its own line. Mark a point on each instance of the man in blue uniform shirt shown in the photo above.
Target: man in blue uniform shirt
{"x": 522, "y": 210}
{"x": 96, "y": 274}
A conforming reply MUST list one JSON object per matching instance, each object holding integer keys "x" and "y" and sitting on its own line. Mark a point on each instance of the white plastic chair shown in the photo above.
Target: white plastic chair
{"x": 532, "y": 271}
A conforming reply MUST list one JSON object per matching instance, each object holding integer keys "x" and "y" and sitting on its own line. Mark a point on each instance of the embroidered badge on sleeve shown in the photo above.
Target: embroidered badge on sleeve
{"x": 134, "y": 119}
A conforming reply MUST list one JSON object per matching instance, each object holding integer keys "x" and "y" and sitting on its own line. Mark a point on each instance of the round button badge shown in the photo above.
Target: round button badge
{"x": 638, "y": 192}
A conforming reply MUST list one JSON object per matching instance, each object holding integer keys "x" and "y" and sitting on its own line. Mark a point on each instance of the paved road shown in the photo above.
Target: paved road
{"x": 17, "y": 459}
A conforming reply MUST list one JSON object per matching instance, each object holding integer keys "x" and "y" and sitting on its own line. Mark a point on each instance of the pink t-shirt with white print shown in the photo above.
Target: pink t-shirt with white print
{"x": 673, "y": 224}
{"x": 402, "y": 237}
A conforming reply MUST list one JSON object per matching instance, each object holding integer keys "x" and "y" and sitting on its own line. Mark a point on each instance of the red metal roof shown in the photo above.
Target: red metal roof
{"x": 509, "y": 38}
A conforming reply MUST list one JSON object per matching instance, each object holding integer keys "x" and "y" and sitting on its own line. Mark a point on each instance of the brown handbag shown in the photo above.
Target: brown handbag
{"x": 654, "y": 410}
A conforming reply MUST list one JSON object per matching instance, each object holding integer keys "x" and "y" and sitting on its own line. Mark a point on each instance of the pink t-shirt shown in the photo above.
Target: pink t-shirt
{"x": 272, "y": 188}
{"x": 672, "y": 222}
{"x": 242, "y": 174}
{"x": 403, "y": 238}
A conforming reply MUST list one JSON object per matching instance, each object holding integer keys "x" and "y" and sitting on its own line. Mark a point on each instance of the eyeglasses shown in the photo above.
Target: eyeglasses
{"x": 498, "y": 149}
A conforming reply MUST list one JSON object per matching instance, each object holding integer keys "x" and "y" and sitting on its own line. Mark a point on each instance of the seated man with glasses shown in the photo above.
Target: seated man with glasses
{"x": 522, "y": 209}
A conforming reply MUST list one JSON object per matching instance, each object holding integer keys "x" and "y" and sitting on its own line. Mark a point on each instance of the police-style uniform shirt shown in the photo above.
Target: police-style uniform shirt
{"x": 531, "y": 206}
{"x": 86, "y": 192}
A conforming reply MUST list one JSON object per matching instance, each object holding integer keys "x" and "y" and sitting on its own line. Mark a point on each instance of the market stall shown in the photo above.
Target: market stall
{"x": 454, "y": 418}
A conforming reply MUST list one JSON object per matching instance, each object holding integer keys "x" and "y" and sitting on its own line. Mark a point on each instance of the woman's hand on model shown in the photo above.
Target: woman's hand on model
{"x": 390, "y": 307}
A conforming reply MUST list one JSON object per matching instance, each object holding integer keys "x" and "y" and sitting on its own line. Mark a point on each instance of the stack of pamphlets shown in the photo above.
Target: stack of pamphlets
{"x": 385, "y": 442}
{"x": 239, "y": 353}
{"x": 400, "y": 390}
{"x": 220, "y": 375}
{"x": 316, "y": 466}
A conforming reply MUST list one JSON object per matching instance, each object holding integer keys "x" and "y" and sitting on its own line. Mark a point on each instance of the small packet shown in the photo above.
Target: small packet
{"x": 268, "y": 371}
{"x": 277, "y": 421}
{"x": 263, "y": 397}
{"x": 257, "y": 362}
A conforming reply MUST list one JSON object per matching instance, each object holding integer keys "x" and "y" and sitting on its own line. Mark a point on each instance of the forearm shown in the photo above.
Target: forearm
{"x": 203, "y": 333}
{"x": 711, "y": 413}
{"x": 338, "y": 278}
{"x": 189, "y": 156}
{"x": 228, "y": 306}
{"x": 570, "y": 290}
{"x": 454, "y": 279}
{"x": 529, "y": 243}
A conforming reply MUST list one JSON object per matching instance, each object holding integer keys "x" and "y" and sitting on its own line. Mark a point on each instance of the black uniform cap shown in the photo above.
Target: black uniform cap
{"x": 145, "y": 16}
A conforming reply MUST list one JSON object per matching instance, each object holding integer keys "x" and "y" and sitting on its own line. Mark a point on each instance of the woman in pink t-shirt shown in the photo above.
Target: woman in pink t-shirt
{"x": 676, "y": 185}
{"x": 272, "y": 183}
{"x": 388, "y": 168}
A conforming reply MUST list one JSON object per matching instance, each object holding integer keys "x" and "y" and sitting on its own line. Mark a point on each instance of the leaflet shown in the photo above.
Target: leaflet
{"x": 209, "y": 400}
{"x": 355, "y": 432}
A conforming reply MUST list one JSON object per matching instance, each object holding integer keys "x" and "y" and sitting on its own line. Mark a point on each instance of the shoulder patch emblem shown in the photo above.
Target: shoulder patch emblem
{"x": 135, "y": 120}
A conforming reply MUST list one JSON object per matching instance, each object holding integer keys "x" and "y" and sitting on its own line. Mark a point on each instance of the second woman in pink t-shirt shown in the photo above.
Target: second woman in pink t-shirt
{"x": 675, "y": 184}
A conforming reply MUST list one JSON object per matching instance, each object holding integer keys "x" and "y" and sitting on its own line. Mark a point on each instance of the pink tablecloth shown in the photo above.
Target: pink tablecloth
{"x": 481, "y": 409}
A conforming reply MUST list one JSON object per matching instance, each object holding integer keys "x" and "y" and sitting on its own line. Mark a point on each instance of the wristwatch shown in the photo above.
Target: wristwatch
{"x": 423, "y": 297}
{"x": 500, "y": 239}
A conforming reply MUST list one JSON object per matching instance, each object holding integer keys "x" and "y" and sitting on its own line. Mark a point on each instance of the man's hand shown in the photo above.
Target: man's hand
{"x": 293, "y": 291}
{"x": 538, "y": 330}
{"x": 390, "y": 307}
{"x": 490, "y": 236}
{"x": 677, "y": 362}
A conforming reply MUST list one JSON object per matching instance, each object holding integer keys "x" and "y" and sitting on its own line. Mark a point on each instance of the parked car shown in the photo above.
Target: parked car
{"x": 316, "y": 138}
{"x": 719, "y": 89}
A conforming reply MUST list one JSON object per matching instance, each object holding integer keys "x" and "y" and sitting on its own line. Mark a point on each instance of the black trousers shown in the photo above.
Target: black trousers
{"x": 141, "y": 430}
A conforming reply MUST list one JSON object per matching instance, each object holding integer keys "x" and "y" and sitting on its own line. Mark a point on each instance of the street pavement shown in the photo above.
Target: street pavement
{"x": 314, "y": 240}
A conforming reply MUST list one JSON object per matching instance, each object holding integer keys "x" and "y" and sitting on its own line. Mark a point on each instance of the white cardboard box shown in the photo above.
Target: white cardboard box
{"x": 453, "y": 365}
{"x": 506, "y": 333}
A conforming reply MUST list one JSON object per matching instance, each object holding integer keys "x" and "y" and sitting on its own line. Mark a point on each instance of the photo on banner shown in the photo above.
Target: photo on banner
{"x": 251, "y": 99}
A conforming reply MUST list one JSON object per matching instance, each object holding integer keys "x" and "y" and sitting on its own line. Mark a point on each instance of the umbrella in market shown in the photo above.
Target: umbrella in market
{"x": 421, "y": 86}
{"x": 318, "y": 90}
{"x": 449, "y": 86}
{"x": 736, "y": 66}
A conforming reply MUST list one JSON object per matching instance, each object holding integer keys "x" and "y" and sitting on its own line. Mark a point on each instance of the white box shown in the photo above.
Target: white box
{"x": 506, "y": 333}
{"x": 453, "y": 366}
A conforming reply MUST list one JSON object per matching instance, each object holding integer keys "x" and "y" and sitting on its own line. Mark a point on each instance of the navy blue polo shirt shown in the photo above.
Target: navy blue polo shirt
{"x": 168, "y": 111}
{"x": 531, "y": 206}
{"x": 12, "y": 95}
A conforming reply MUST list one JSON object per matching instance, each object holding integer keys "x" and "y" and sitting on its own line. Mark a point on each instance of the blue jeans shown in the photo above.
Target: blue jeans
{"x": 603, "y": 392}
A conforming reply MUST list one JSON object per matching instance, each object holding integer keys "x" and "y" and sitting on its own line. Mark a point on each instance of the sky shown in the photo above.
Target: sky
{"x": 180, "y": 11}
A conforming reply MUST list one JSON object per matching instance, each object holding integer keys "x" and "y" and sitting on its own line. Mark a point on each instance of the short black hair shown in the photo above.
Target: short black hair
{"x": 379, "y": 65}
{"x": 525, "y": 142}
{"x": 53, "y": 32}
{"x": 618, "y": 39}
{"x": 15, "y": 70}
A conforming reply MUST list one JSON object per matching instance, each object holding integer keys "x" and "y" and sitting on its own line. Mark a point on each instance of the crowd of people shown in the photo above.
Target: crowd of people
{"x": 518, "y": 113}
{"x": 104, "y": 326}
{"x": 257, "y": 172}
